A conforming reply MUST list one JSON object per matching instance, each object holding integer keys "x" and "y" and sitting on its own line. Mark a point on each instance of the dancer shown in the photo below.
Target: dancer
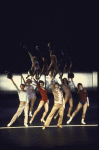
{"x": 67, "y": 63}
{"x": 45, "y": 64}
{"x": 31, "y": 94}
{"x": 23, "y": 97}
{"x": 35, "y": 68}
{"x": 68, "y": 96}
{"x": 83, "y": 101}
{"x": 53, "y": 64}
{"x": 43, "y": 102}
{"x": 58, "y": 104}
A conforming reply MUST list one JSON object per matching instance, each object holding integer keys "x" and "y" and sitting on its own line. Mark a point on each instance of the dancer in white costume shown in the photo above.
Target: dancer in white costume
{"x": 31, "y": 94}
{"x": 23, "y": 97}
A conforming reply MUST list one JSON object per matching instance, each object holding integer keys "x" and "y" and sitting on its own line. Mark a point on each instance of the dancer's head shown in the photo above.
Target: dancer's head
{"x": 22, "y": 86}
{"x": 80, "y": 86}
{"x": 65, "y": 81}
{"x": 28, "y": 81}
{"x": 56, "y": 85}
{"x": 41, "y": 83}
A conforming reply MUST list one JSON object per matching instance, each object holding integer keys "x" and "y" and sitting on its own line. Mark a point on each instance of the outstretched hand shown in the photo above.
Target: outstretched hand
{"x": 48, "y": 44}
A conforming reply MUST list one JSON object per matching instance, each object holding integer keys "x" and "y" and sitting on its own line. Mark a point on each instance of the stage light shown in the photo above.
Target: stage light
{"x": 88, "y": 80}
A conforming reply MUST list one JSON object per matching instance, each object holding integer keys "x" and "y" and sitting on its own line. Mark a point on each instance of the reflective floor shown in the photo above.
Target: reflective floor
{"x": 69, "y": 136}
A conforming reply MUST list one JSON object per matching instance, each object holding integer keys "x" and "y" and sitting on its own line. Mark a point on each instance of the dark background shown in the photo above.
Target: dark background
{"x": 68, "y": 26}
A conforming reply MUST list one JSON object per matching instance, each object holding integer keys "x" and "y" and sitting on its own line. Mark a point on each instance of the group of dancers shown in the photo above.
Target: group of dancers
{"x": 29, "y": 96}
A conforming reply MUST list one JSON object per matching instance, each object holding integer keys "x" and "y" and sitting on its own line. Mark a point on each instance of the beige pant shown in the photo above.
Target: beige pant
{"x": 18, "y": 113}
{"x": 54, "y": 109}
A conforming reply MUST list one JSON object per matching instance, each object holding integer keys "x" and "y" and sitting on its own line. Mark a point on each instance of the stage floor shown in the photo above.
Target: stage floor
{"x": 74, "y": 134}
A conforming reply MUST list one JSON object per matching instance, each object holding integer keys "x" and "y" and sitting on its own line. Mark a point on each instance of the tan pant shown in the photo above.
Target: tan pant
{"x": 54, "y": 109}
{"x": 18, "y": 113}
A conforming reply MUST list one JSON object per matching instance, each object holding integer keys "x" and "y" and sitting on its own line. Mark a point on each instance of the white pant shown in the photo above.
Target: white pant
{"x": 18, "y": 113}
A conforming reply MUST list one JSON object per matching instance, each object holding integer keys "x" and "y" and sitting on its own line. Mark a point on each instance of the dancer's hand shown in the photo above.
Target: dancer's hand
{"x": 48, "y": 44}
{"x": 36, "y": 47}
{"x": 88, "y": 105}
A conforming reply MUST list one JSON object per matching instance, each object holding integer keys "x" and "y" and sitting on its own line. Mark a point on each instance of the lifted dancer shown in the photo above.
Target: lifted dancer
{"x": 58, "y": 104}
{"x": 68, "y": 95}
{"x": 35, "y": 68}
{"x": 23, "y": 97}
{"x": 31, "y": 94}
{"x": 43, "y": 102}
{"x": 45, "y": 64}
{"x": 53, "y": 64}
{"x": 83, "y": 101}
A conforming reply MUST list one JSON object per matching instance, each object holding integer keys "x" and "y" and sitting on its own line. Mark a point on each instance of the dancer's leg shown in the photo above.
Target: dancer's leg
{"x": 32, "y": 103}
{"x": 19, "y": 111}
{"x": 37, "y": 110}
{"x": 61, "y": 114}
{"x": 84, "y": 113}
{"x": 50, "y": 116}
{"x": 46, "y": 106}
{"x": 75, "y": 112}
{"x": 56, "y": 115}
{"x": 26, "y": 115}
{"x": 70, "y": 106}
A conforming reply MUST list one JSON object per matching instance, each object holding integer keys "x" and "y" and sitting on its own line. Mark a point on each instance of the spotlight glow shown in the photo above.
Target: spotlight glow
{"x": 88, "y": 80}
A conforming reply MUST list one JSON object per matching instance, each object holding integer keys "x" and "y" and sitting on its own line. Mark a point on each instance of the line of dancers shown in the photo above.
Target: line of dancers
{"x": 29, "y": 96}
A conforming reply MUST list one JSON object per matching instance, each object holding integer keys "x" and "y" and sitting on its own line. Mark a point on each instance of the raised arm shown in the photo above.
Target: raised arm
{"x": 74, "y": 85}
{"x": 52, "y": 84}
{"x": 36, "y": 83}
{"x": 23, "y": 79}
{"x": 15, "y": 84}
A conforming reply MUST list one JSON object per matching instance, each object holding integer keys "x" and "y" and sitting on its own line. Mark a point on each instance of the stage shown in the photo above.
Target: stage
{"x": 74, "y": 134}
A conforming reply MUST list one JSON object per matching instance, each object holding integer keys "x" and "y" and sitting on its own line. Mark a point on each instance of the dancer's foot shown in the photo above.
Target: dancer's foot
{"x": 26, "y": 125}
{"x": 30, "y": 114}
{"x": 8, "y": 125}
{"x": 69, "y": 120}
{"x": 42, "y": 120}
{"x": 59, "y": 126}
{"x": 30, "y": 122}
{"x": 43, "y": 127}
{"x": 82, "y": 121}
{"x": 68, "y": 115}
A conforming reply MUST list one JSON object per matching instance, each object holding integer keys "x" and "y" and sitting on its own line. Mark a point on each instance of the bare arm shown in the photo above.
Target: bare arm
{"x": 74, "y": 85}
{"x": 23, "y": 79}
{"x": 15, "y": 85}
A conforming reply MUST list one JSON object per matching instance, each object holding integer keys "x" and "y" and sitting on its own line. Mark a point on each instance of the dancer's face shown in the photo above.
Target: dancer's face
{"x": 41, "y": 85}
{"x": 22, "y": 87}
{"x": 56, "y": 86}
{"x": 80, "y": 86}
{"x": 28, "y": 83}
{"x": 65, "y": 82}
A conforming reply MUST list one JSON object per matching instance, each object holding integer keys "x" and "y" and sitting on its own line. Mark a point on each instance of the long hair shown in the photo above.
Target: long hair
{"x": 66, "y": 80}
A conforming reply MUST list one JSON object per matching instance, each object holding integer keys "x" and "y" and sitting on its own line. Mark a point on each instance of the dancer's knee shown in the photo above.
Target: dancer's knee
{"x": 71, "y": 106}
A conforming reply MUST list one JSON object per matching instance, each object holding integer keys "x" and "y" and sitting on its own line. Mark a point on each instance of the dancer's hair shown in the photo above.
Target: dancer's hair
{"x": 79, "y": 84}
{"x": 65, "y": 79}
{"x": 41, "y": 82}
{"x": 56, "y": 83}
{"x": 22, "y": 84}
